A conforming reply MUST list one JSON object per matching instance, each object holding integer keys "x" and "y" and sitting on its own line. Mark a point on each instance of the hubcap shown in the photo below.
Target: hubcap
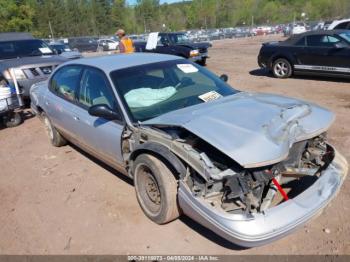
{"x": 152, "y": 190}
{"x": 148, "y": 189}
{"x": 281, "y": 69}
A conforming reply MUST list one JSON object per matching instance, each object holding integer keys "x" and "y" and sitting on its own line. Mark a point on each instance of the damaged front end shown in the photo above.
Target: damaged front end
{"x": 251, "y": 176}
{"x": 252, "y": 207}
{"x": 245, "y": 205}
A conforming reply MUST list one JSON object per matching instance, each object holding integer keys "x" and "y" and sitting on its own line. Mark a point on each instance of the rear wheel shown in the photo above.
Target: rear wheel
{"x": 55, "y": 137}
{"x": 13, "y": 119}
{"x": 282, "y": 68}
{"x": 156, "y": 189}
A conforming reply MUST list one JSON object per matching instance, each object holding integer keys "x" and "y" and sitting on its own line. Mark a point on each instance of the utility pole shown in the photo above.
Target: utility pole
{"x": 53, "y": 37}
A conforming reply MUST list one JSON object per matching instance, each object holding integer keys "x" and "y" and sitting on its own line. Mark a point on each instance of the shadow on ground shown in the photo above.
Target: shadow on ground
{"x": 210, "y": 235}
{"x": 186, "y": 220}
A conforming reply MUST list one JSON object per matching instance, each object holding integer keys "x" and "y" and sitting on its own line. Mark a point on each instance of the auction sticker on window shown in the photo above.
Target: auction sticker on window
{"x": 210, "y": 96}
{"x": 187, "y": 68}
{"x": 45, "y": 50}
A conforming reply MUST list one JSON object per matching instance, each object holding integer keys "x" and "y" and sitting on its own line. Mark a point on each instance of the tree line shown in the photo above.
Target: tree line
{"x": 64, "y": 18}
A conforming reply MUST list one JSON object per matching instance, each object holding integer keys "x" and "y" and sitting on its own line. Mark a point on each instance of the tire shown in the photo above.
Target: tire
{"x": 156, "y": 189}
{"x": 55, "y": 137}
{"x": 203, "y": 62}
{"x": 281, "y": 68}
{"x": 13, "y": 119}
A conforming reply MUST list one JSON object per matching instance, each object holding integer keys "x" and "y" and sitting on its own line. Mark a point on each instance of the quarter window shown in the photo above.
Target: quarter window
{"x": 95, "y": 90}
{"x": 65, "y": 82}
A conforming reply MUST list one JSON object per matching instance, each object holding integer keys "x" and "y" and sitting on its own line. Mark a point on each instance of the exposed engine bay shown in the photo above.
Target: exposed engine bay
{"x": 253, "y": 190}
{"x": 226, "y": 185}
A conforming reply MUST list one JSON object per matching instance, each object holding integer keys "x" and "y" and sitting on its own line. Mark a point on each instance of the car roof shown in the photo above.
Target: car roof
{"x": 295, "y": 38}
{"x": 13, "y": 36}
{"x": 109, "y": 63}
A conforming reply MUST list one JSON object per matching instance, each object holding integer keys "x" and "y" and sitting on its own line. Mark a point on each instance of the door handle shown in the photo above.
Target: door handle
{"x": 47, "y": 103}
{"x": 76, "y": 118}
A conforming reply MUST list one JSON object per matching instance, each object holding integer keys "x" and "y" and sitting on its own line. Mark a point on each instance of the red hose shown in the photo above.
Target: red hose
{"x": 280, "y": 189}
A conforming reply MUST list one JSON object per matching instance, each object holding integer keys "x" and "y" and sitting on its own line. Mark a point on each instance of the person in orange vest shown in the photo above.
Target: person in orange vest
{"x": 126, "y": 45}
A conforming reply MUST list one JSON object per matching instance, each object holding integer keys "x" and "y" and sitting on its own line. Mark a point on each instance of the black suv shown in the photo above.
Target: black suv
{"x": 178, "y": 44}
{"x": 31, "y": 60}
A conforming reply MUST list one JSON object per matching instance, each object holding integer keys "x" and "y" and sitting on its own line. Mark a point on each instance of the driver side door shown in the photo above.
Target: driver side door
{"x": 100, "y": 137}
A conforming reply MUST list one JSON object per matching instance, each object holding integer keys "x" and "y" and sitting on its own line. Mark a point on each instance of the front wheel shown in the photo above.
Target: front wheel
{"x": 156, "y": 189}
{"x": 203, "y": 61}
{"x": 282, "y": 68}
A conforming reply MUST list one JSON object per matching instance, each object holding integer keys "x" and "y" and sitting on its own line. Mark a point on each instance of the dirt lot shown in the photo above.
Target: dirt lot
{"x": 60, "y": 201}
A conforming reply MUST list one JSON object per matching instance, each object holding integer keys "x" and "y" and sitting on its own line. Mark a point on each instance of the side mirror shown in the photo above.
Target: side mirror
{"x": 224, "y": 77}
{"x": 103, "y": 111}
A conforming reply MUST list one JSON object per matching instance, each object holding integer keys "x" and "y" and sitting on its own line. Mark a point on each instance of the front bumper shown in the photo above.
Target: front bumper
{"x": 277, "y": 221}
{"x": 262, "y": 62}
{"x": 199, "y": 57}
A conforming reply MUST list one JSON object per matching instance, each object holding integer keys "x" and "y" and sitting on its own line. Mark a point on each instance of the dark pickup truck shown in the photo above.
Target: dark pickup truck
{"x": 177, "y": 44}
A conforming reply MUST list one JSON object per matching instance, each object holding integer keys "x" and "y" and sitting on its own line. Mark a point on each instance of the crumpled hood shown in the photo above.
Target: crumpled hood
{"x": 253, "y": 129}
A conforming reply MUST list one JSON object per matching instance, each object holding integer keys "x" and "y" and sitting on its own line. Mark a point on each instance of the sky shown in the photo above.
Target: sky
{"x": 132, "y": 2}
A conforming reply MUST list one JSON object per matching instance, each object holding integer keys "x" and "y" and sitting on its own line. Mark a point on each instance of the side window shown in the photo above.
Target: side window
{"x": 318, "y": 41}
{"x": 333, "y": 40}
{"x": 162, "y": 40}
{"x": 95, "y": 89}
{"x": 65, "y": 82}
{"x": 301, "y": 42}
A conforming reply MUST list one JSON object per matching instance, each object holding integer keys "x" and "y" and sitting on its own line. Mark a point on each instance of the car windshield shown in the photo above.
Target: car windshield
{"x": 179, "y": 38}
{"x": 23, "y": 48}
{"x": 155, "y": 89}
{"x": 346, "y": 36}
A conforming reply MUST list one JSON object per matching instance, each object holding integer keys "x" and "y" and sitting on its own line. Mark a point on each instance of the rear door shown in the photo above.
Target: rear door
{"x": 99, "y": 136}
{"x": 61, "y": 100}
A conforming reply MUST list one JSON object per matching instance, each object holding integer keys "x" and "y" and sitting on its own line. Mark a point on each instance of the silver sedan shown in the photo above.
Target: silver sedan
{"x": 251, "y": 167}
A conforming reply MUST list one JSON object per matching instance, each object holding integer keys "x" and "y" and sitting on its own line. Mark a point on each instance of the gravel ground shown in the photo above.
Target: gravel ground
{"x": 61, "y": 201}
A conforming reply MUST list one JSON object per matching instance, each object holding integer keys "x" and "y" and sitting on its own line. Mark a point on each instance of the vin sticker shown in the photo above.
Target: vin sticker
{"x": 210, "y": 96}
{"x": 187, "y": 68}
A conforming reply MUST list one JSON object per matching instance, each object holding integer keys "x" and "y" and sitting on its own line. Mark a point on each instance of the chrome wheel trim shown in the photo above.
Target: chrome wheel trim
{"x": 281, "y": 69}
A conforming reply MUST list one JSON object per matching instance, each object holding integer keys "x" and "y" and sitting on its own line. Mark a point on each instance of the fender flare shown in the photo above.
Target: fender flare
{"x": 163, "y": 153}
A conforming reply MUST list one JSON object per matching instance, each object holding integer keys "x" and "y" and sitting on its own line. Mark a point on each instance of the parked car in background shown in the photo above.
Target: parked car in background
{"x": 298, "y": 28}
{"x": 83, "y": 44}
{"x": 316, "y": 52}
{"x": 177, "y": 44}
{"x": 193, "y": 144}
{"x": 339, "y": 24}
{"x": 64, "y": 50}
{"x": 31, "y": 60}
{"x": 108, "y": 44}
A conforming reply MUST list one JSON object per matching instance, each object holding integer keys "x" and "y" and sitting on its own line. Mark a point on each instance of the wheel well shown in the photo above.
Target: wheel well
{"x": 40, "y": 110}
{"x": 279, "y": 57}
{"x": 174, "y": 164}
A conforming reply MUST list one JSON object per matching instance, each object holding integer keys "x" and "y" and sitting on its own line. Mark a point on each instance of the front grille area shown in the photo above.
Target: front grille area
{"x": 40, "y": 71}
{"x": 46, "y": 69}
{"x": 202, "y": 50}
{"x": 34, "y": 72}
